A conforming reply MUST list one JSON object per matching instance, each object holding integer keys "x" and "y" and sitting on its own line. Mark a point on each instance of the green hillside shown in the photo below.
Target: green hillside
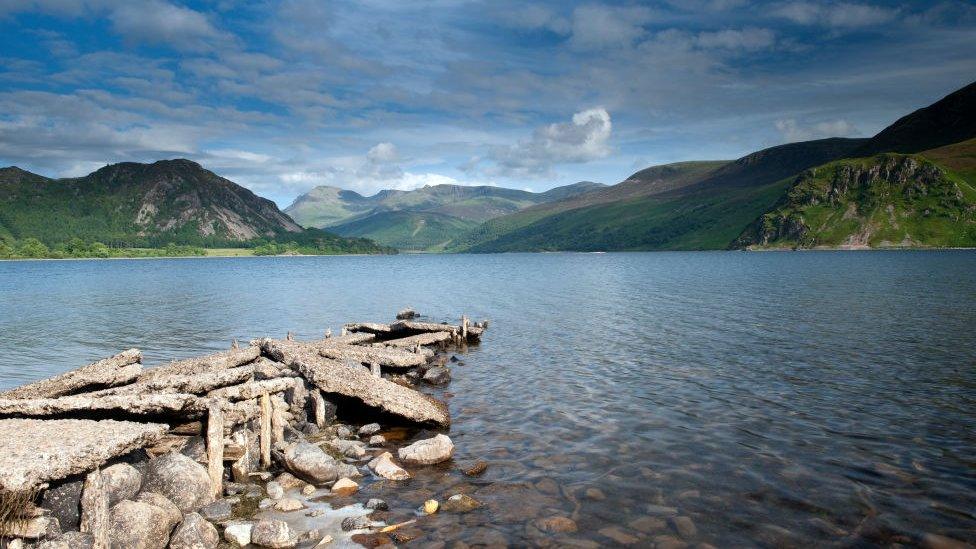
{"x": 888, "y": 200}
{"x": 411, "y": 231}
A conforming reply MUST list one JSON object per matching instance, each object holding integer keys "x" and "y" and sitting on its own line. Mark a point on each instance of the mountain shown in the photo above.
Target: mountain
{"x": 142, "y": 205}
{"x": 349, "y": 213}
{"x": 887, "y": 200}
{"x": 952, "y": 119}
{"x": 689, "y": 205}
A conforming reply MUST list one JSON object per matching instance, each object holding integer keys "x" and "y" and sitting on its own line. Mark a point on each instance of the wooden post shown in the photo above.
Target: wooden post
{"x": 290, "y": 336}
{"x": 319, "y": 401}
{"x": 234, "y": 344}
{"x": 215, "y": 447}
{"x": 265, "y": 430}
{"x": 94, "y": 510}
{"x": 328, "y": 333}
{"x": 464, "y": 328}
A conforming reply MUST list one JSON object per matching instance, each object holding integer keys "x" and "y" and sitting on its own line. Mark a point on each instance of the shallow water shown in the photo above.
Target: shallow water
{"x": 776, "y": 399}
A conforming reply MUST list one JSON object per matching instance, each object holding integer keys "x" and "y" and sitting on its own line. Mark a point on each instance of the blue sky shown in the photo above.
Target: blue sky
{"x": 283, "y": 96}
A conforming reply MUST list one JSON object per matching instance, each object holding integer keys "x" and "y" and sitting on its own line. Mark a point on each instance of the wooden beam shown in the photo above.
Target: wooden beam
{"x": 215, "y": 447}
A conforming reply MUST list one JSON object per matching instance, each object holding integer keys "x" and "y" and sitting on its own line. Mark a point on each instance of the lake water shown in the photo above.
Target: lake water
{"x": 774, "y": 399}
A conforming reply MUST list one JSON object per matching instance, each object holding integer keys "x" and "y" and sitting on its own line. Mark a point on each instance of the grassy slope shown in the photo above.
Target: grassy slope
{"x": 413, "y": 231}
{"x": 891, "y": 200}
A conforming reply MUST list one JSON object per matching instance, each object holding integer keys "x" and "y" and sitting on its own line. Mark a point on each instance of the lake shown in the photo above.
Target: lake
{"x": 773, "y": 399}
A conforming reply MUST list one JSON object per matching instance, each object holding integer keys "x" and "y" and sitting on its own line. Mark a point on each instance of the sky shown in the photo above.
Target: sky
{"x": 378, "y": 94}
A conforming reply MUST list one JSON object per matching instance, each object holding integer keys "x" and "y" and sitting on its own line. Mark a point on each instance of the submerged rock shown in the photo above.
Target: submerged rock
{"x": 685, "y": 527}
{"x": 556, "y": 525}
{"x": 180, "y": 479}
{"x": 477, "y": 469}
{"x": 356, "y": 523}
{"x": 307, "y": 461}
{"x": 461, "y": 503}
{"x": 407, "y": 314}
{"x": 429, "y": 451}
{"x": 438, "y": 375}
{"x": 273, "y": 533}
{"x": 384, "y": 467}
{"x": 194, "y": 533}
{"x": 377, "y": 504}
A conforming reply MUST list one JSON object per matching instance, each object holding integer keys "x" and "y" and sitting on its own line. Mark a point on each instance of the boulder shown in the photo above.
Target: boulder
{"x": 377, "y": 440}
{"x": 460, "y": 503}
{"x": 122, "y": 481}
{"x": 384, "y": 467}
{"x": 288, "y": 504}
{"x": 69, "y": 540}
{"x": 182, "y": 480}
{"x": 438, "y": 375}
{"x": 377, "y": 504}
{"x": 173, "y": 514}
{"x": 273, "y": 533}
{"x": 344, "y": 487}
{"x": 239, "y": 533}
{"x": 428, "y": 451}
{"x": 275, "y": 490}
{"x": 194, "y": 533}
{"x": 406, "y": 314}
{"x": 288, "y": 481}
{"x": 139, "y": 525}
{"x": 217, "y": 511}
{"x": 356, "y": 523}
{"x": 308, "y": 462}
{"x": 369, "y": 429}
{"x": 64, "y": 503}
{"x": 348, "y": 448}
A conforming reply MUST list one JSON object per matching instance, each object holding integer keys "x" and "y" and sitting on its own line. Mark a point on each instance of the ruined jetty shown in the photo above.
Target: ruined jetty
{"x": 114, "y": 454}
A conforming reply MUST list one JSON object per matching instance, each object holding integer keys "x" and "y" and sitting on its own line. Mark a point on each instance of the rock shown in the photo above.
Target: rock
{"x": 266, "y": 503}
{"x": 311, "y": 535}
{"x": 685, "y": 527}
{"x": 406, "y": 314}
{"x": 349, "y": 448}
{"x": 377, "y": 504}
{"x": 289, "y": 504}
{"x": 936, "y": 541}
{"x": 461, "y": 503}
{"x": 64, "y": 503}
{"x": 315, "y": 513}
{"x": 356, "y": 523}
{"x": 377, "y": 440}
{"x": 308, "y": 462}
{"x": 619, "y": 535}
{"x": 234, "y": 488}
{"x": 273, "y": 533}
{"x": 595, "y": 494}
{"x": 660, "y": 510}
{"x": 431, "y": 506}
{"x": 477, "y": 469}
{"x": 648, "y": 524}
{"x": 344, "y": 487}
{"x": 348, "y": 470}
{"x": 407, "y": 534}
{"x": 139, "y": 525}
{"x": 194, "y": 533}
{"x": 217, "y": 511}
{"x": 429, "y": 451}
{"x": 438, "y": 375}
{"x": 122, "y": 481}
{"x": 180, "y": 479}
{"x": 369, "y": 429}
{"x": 239, "y": 533}
{"x": 274, "y": 490}
{"x": 671, "y": 542}
{"x": 173, "y": 513}
{"x": 556, "y": 525}
{"x": 308, "y": 490}
{"x": 384, "y": 467}
{"x": 342, "y": 431}
{"x": 195, "y": 449}
{"x": 68, "y": 540}
{"x": 288, "y": 481}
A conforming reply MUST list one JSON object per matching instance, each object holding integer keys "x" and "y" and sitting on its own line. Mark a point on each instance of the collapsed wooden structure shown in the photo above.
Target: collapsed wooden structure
{"x": 241, "y": 402}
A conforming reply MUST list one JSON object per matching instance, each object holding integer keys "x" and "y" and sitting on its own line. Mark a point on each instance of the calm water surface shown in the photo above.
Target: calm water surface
{"x": 780, "y": 399}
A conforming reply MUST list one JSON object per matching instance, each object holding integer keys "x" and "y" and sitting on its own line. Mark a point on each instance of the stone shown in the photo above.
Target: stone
{"x": 660, "y": 510}
{"x": 648, "y": 524}
{"x": 343, "y": 431}
{"x": 308, "y": 462}
{"x": 356, "y": 523}
{"x": 289, "y": 481}
{"x": 438, "y": 375}
{"x": 139, "y": 525}
{"x": 556, "y": 525}
{"x": 670, "y": 542}
{"x": 266, "y": 503}
{"x": 369, "y": 429}
{"x": 38, "y": 527}
{"x": 308, "y": 490}
{"x": 289, "y": 504}
{"x": 349, "y": 448}
{"x": 377, "y": 504}
{"x": 194, "y": 533}
{"x": 685, "y": 527}
{"x": 217, "y": 511}
{"x": 64, "y": 503}
{"x": 122, "y": 481}
{"x": 180, "y": 479}
{"x": 274, "y": 490}
{"x": 431, "y": 506}
{"x": 461, "y": 503}
{"x": 273, "y": 533}
{"x": 69, "y": 540}
{"x": 377, "y": 440}
{"x": 384, "y": 467}
{"x": 477, "y": 469}
{"x": 595, "y": 494}
{"x": 173, "y": 513}
{"x": 429, "y": 451}
{"x": 239, "y": 533}
{"x": 619, "y": 535}
{"x": 407, "y": 534}
{"x": 406, "y": 314}
{"x": 344, "y": 487}
{"x": 937, "y": 541}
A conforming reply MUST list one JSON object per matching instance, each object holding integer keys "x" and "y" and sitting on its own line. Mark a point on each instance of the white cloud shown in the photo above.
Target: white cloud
{"x": 598, "y": 27}
{"x": 750, "y": 39}
{"x": 837, "y": 15}
{"x": 159, "y": 22}
{"x": 581, "y": 140}
{"x": 792, "y": 131}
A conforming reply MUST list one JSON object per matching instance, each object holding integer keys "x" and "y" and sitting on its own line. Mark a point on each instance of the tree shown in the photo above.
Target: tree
{"x": 32, "y": 247}
{"x": 97, "y": 249}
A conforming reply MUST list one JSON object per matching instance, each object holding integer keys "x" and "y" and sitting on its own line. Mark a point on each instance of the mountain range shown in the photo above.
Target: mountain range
{"x": 911, "y": 185}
